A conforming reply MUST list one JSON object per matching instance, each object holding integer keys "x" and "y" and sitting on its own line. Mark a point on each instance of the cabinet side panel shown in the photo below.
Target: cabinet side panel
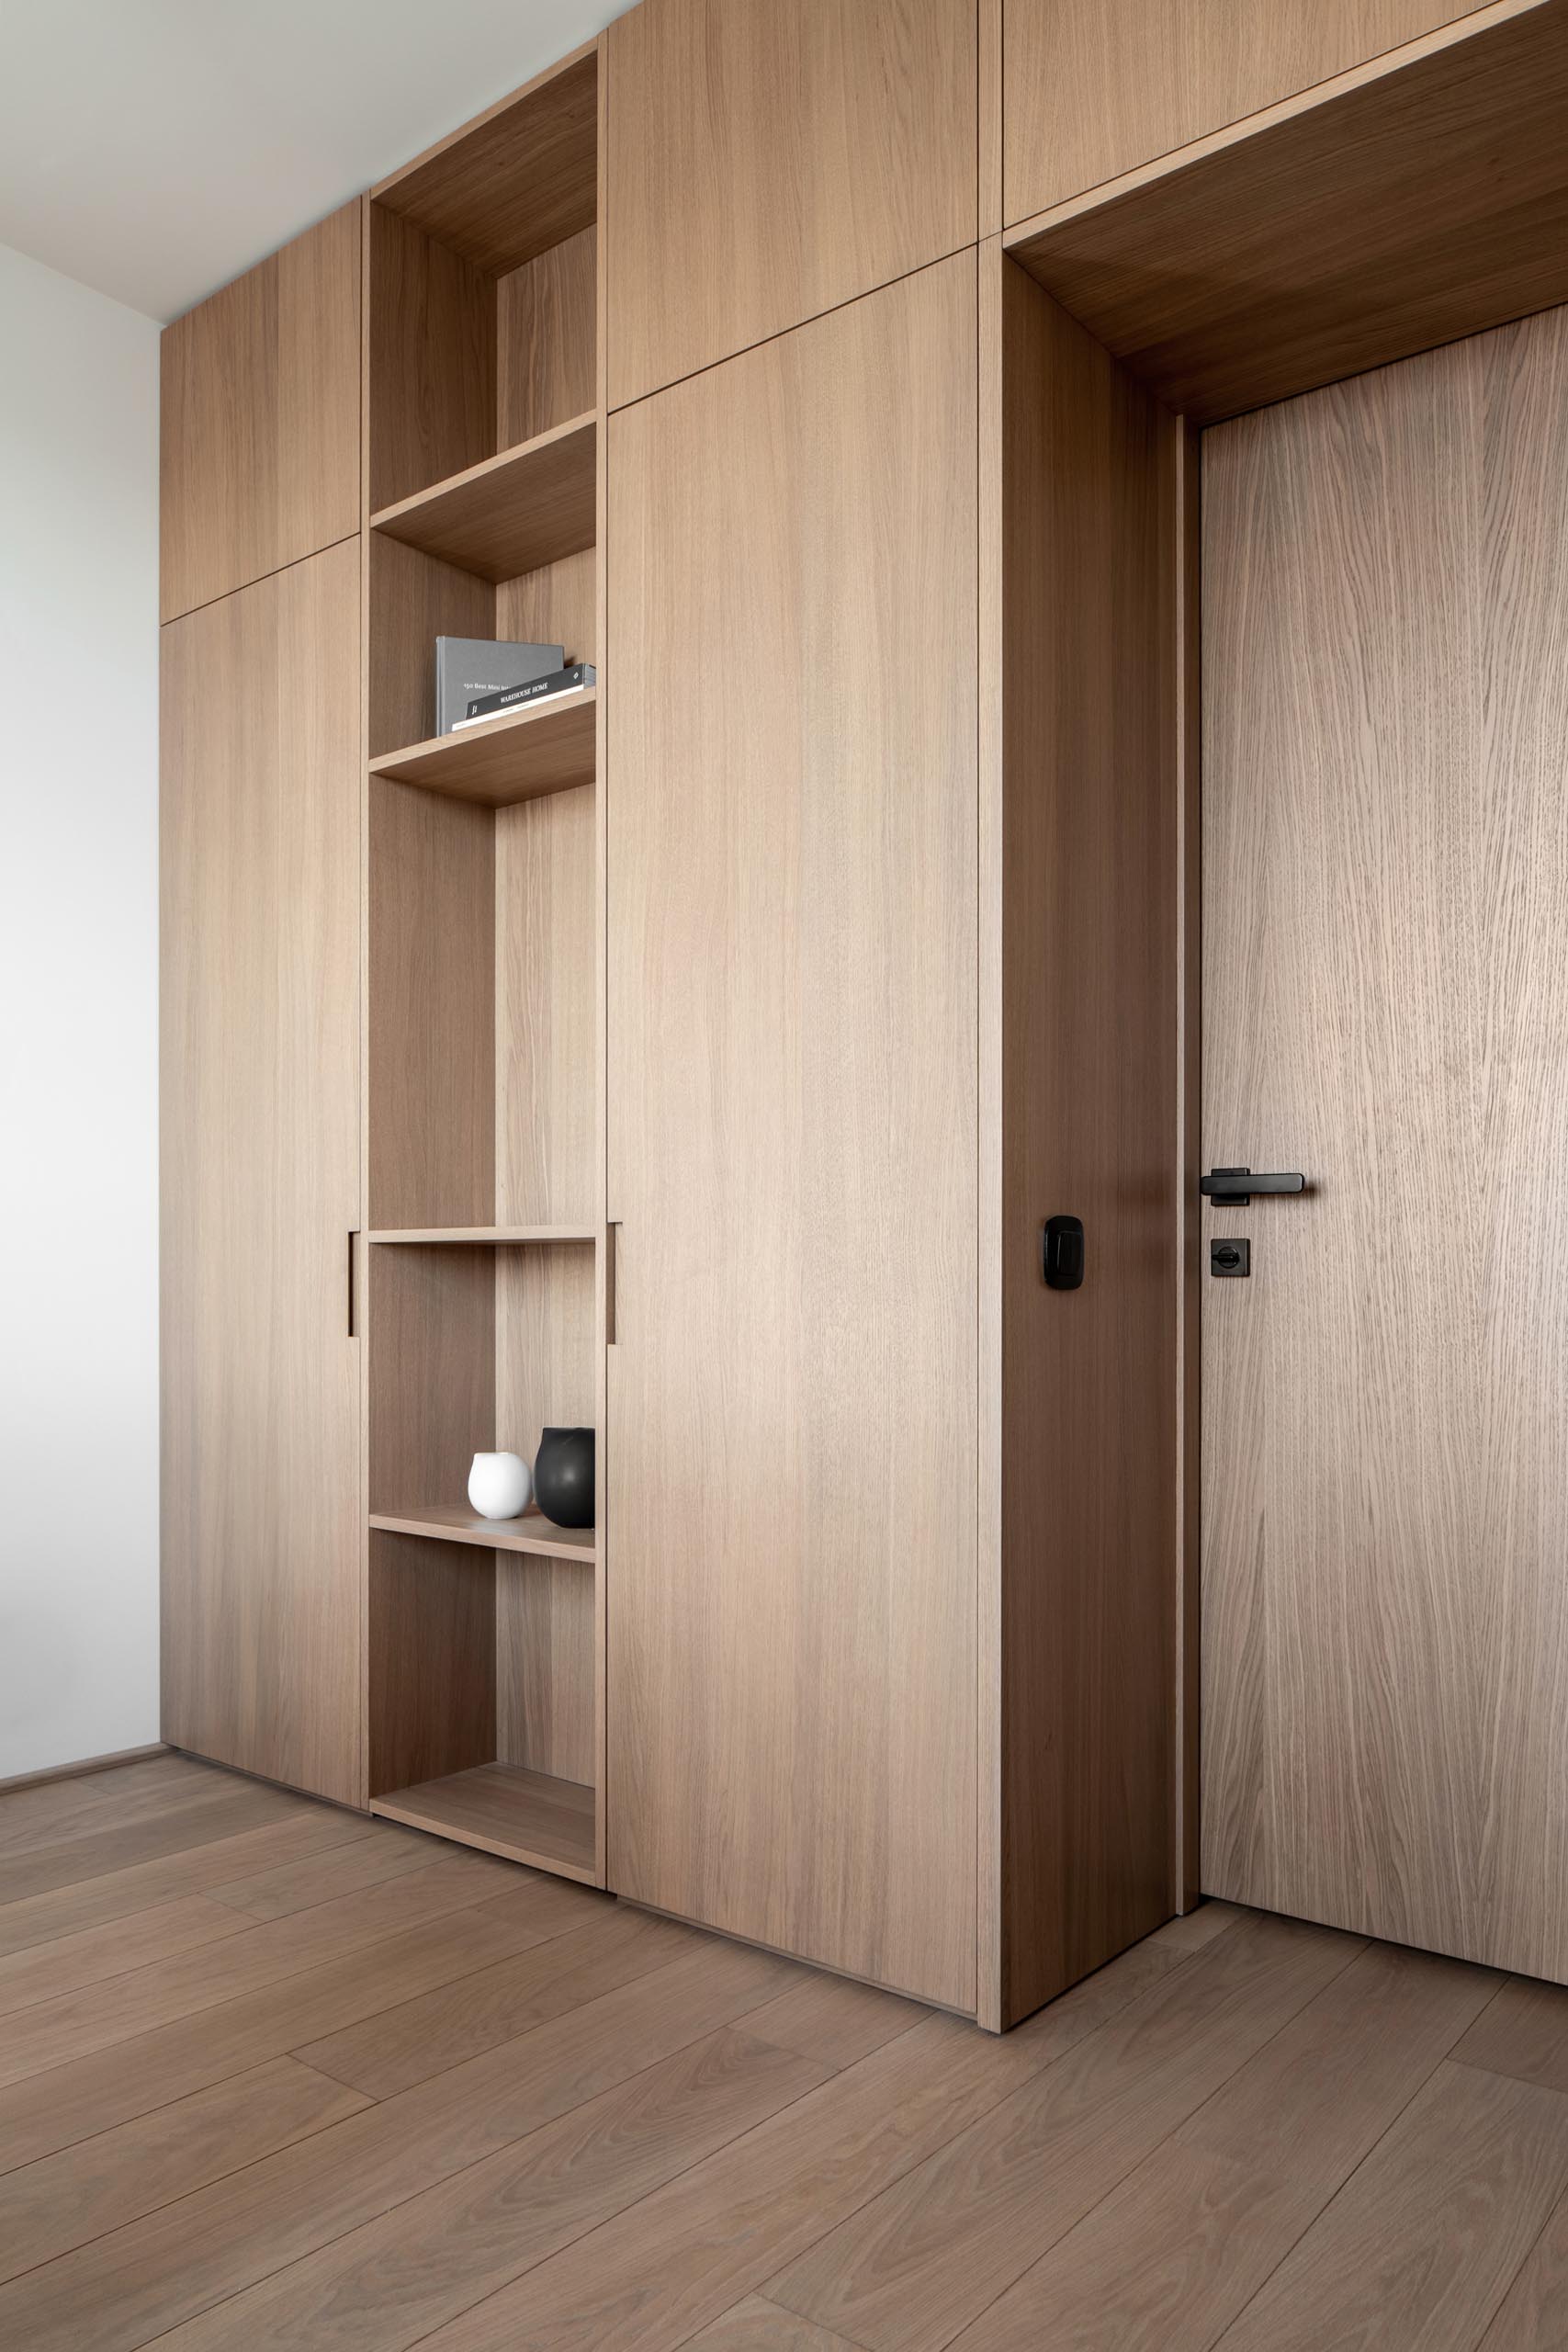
{"x": 260, "y": 1143}
{"x": 1090, "y": 896}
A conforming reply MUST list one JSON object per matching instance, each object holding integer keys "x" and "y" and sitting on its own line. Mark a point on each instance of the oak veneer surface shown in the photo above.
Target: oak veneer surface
{"x": 546, "y": 2119}
{"x": 547, "y": 957}
{"x": 1385, "y": 1502}
{"x": 1092, "y": 88}
{"x": 260, "y": 419}
{"x": 547, "y": 345}
{"x": 766, "y": 163}
{"x": 520, "y": 178}
{"x": 1088, "y": 978}
{"x": 1337, "y": 231}
{"x": 503, "y": 1807}
{"x": 533, "y": 1533}
{"x": 260, "y": 930}
{"x": 545, "y": 747}
{"x": 792, "y": 1041}
{"x": 529, "y": 506}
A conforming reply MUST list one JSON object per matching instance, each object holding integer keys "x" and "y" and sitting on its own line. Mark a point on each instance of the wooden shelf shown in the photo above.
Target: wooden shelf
{"x": 501, "y": 1235}
{"x": 533, "y": 1533}
{"x": 549, "y": 748}
{"x": 527, "y": 1816}
{"x": 530, "y": 506}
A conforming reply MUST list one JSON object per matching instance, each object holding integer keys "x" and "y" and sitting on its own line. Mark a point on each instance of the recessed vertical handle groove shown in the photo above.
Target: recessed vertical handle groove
{"x": 611, "y": 1234}
{"x": 353, "y": 1301}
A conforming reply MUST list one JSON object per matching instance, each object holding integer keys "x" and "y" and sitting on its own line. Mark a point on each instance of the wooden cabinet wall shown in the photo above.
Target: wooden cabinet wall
{"x": 262, "y": 1538}
{"x": 1094, "y": 87}
{"x": 769, "y": 158}
{"x": 260, "y": 420}
{"x": 793, "y": 1156}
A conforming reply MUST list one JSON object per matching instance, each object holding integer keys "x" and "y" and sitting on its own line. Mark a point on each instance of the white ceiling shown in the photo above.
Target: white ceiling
{"x": 153, "y": 149}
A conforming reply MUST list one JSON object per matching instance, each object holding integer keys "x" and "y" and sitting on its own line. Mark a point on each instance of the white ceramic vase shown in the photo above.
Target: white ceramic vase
{"x": 500, "y": 1486}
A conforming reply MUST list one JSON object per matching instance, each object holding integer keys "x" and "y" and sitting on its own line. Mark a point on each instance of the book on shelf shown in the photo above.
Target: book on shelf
{"x": 469, "y": 667}
{"x": 514, "y": 698}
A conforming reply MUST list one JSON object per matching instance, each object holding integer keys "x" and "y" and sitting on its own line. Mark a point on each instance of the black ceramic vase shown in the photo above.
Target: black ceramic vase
{"x": 563, "y": 1477}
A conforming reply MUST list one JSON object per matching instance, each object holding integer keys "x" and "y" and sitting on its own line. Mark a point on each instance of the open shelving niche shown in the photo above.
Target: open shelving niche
{"x": 486, "y": 1270}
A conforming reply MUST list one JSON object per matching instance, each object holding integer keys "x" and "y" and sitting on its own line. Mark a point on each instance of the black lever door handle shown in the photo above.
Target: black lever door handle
{"x": 1233, "y": 1187}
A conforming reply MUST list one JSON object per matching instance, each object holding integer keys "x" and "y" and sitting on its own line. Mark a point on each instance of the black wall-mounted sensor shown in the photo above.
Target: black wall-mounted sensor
{"x": 1061, "y": 1252}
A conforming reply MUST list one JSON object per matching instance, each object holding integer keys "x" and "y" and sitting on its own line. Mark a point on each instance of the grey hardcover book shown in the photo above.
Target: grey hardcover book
{"x": 469, "y": 666}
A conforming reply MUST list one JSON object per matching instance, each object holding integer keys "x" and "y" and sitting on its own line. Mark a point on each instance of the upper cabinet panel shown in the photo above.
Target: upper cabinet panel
{"x": 769, "y": 158}
{"x": 1095, "y": 87}
{"x": 261, "y": 418}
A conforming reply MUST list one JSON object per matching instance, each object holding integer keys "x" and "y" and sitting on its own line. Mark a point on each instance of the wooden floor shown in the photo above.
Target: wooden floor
{"x": 273, "y": 2074}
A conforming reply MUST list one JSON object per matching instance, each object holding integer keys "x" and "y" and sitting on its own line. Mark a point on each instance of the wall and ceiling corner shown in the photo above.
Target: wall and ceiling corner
{"x": 79, "y": 1024}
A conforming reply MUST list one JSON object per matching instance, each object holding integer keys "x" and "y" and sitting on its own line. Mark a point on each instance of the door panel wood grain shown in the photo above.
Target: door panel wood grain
{"x": 260, "y": 1139}
{"x": 1093, "y": 87}
{"x": 792, "y": 1466}
{"x": 1386, "y": 1399}
{"x": 260, "y": 418}
{"x": 767, "y": 161}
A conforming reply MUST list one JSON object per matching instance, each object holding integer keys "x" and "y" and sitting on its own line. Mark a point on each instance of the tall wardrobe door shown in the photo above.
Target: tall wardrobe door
{"x": 792, "y": 1473}
{"x": 260, "y": 1076}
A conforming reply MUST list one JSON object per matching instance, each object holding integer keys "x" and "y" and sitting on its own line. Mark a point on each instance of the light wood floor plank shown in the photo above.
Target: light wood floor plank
{"x": 241, "y": 1805}
{"x": 927, "y": 2258}
{"x": 1169, "y": 2260}
{"x": 385, "y": 1853}
{"x": 600, "y": 2130}
{"x": 52, "y": 2033}
{"x": 126, "y": 2290}
{"x": 397, "y": 2048}
{"x": 47, "y": 1971}
{"x": 119, "y": 1895}
{"x": 386, "y": 2286}
{"x": 674, "y": 2262}
{"x": 1419, "y": 2248}
{"x": 52, "y": 2110}
{"x": 835, "y": 2021}
{"x": 1525, "y": 2032}
{"x": 101, "y": 2184}
{"x": 1533, "y": 2316}
{"x": 758, "y": 2325}
{"x": 54, "y": 1809}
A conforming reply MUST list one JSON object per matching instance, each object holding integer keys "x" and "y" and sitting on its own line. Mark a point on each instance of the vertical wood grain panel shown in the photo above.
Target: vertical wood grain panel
{"x": 432, "y": 1015}
{"x": 1385, "y": 858}
{"x": 260, "y": 1149}
{"x": 766, "y": 163}
{"x": 545, "y": 339}
{"x": 432, "y": 1660}
{"x": 260, "y": 419}
{"x": 546, "y": 1375}
{"x": 555, "y": 606}
{"x": 432, "y": 362}
{"x": 1088, "y": 1115}
{"x": 1092, "y": 88}
{"x": 792, "y": 1044}
{"x": 545, "y": 1040}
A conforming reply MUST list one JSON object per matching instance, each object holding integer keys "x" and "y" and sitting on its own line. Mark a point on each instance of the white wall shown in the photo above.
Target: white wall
{"x": 78, "y": 1021}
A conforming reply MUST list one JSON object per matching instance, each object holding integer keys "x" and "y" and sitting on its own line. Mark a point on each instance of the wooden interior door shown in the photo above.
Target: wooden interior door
{"x": 1386, "y": 1397}
{"x": 792, "y": 1451}
{"x": 260, "y": 1139}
